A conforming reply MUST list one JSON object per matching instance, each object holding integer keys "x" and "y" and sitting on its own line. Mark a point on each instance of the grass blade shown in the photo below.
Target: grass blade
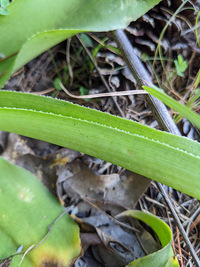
{"x": 170, "y": 102}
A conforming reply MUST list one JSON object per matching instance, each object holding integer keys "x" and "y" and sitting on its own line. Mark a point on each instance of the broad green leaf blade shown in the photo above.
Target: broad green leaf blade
{"x": 169, "y": 159}
{"x": 170, "y": 102}
{"x": 172, "y": 262}
{"x": 62, "y": 19}
{"x": 27, "y": 209}
{"x": 47, "y": 39}
{"x": 160, "y": 257}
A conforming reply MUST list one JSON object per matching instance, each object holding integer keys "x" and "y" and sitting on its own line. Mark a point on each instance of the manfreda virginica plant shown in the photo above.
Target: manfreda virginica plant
{"x": 172, "y": 160}
{"x": 138, "y": 148}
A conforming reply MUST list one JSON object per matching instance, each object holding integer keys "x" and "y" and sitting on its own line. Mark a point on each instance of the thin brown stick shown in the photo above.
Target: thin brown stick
{"x": 179, "y": 247}
{"x": 119, "y": 93}
{"x": 180, "y": 227}
{"x": 143, "y": 78}
{"x": 44, "y": 91}
{"x": 12, "y": 55}
{"x": 170, "y": 225}
{"x": 68, "y": 61}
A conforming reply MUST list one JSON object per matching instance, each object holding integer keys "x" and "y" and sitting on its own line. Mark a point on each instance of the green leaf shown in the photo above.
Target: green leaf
{"x": 170, "y": 102}
{"x": 4, "y": 3}
{"x": 27, "y": 210}
{"x": 87, "y": 40}
{"x": 56, "y": 84}
{"x": 166, "y": 158}
{"x": 160, "y": 257}
{"x": 181, "y": 65}
{"x": 4, "y": 11}
{"x": 178, "y": 69}
{"x": 172, "y": 262}
{"x": 34, "y": 32}
{"x": 84, "y": 91}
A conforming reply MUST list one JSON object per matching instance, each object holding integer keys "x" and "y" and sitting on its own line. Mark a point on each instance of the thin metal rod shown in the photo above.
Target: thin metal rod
{"x": 161, "y": 114}
{"x": 101, "y": 76}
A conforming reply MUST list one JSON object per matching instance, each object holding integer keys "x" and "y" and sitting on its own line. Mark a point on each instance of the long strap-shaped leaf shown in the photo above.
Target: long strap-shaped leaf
{"x": 33, "y": 26}
{"x": 162, "y": 256}
{"x": 169, "y": 159}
